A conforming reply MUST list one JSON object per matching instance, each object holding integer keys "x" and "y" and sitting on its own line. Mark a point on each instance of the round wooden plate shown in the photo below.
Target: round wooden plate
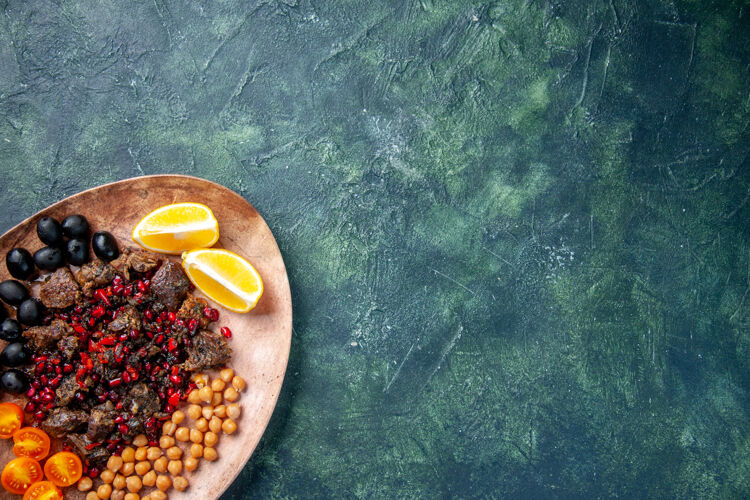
{"x": 261, "y": 338}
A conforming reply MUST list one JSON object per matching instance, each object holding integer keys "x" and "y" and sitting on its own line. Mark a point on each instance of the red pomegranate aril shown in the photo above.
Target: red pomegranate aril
{"x": 92, "y": 321}
{"x": 56, "y": 381}
{"x": 30, "y": 392}
{"x": 192, "y": 325}
{"x": 128, "y": 291}
{"x": 125, "y": 377}
{"x": 172, "y": 346}
{"x": 226, "y": 332}
{"x": 102, "y": 397}
{"x": 98, "y": 311}
{"x": 123, "y": 337}
{"x": 101, "y": 295}
{"x": 30, "y": 407}
{"x": 158, "y": 340}
{"x": 119, "y": 419}
{"x": 39, "y": 416}
{"x": 43, "y": 379}
{"x": 36, "y": 384}
{"x": 171, "y": 317}
{"x": 80, "y": 397}
{"x": 207, "y": 312}
{"x": 214, "y": 315}
{"x": 58, "y": 370}
{"x": 115, "y": 382}
{"x": 67, "y": 368}
{"x": 40, "y": 368}
{"x": 149, "y": 314}
{"x": 174, "y": 399}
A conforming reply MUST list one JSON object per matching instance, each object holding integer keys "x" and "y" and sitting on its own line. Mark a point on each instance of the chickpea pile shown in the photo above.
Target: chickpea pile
{"x": 213, "y": 409}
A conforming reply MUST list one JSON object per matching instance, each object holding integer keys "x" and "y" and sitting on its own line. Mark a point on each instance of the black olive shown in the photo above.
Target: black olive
{"x": 15, "y": 354}
{"x": 30, "y": 312}
{"x": 49, "y": 231}
{"x": 77, "y": 252}
{"x": 13, "y": 293}
{"x": 11, "y": 331}
{"x": 3, "y": 312}
{"x": 14, "y": 381}
{"x": 48, "y": 258}
{"x": 75, "y": 226}
{"x": 105, "y": 246}
{"x": 19, "y": 263}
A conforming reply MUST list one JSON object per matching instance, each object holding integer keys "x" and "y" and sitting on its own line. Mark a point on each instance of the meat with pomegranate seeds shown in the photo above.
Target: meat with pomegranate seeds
{"x": 90, "y": 451}
{"x": 60, "y": 289}
{"x": 68, "y": 346}
{"x": 66, "y": 391}
{"x": 93, "y": 275}
{"x": 136, "y": 261}
{"x": 45, "y": 337}
{"x": 170, "y": 285}
{"x": 208, "y": 349}
{"x": 62, "y": 421}
{"x": 142, "y": 399}
{"x": 192, "y": 309}
{"x": 101, "y": 421}
{"x": 127, "y": 319}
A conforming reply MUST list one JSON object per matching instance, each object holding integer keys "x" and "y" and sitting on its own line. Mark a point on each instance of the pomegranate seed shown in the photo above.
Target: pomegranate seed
{"x": 149, "y": 314}
{"x": 55, "y": 381}
{"x": 172, "y": 345}
{"x": 40, "y": 368}
{"x": 115, "y": 382}
{"x": 78, "y": 309}
{"x": 117, "y": 289}
{"x": 102, "y": 398}
{"x": 128, "y": 291}
{"x": 126, "y": 377}
{"x": 36, "y": 385}
{"x": 214, "y": 315}
{"x": 30, "y": 392}
{"x": 39, "y": 416}
{"x": 174, "y": 399}
{"x": 171, "y": 317}
{"x": 123, "y": 337}
{"x": 153, "y": 443}
{"x": 119, "y": 419}
{"x": 58, "y": 370}
{"x": 93, "y": 473}
{"x": 159, "y": 339}
{"x": 133, "y": 334}
{"x": 226, "y": 332}
{"x": 98, "y": 311}
{"x": 192, "y": 325}
{"x": 92, "y": 321}
{"x": 80, "y": 397}
{"x": 101, "y": 295}
{"x": 43, "y": 379}
{"x": 30, "y": 407}
{"x": 169, "y": 409}
{"x": 119, "y": 405}
{"x": 142, "y": 286}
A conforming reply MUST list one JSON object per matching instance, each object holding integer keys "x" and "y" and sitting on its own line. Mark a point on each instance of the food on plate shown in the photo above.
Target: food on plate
{"x": 49, "y": 258}
{"x": 20, "y": 263}
{"x": 224, "y": 277}
{"x": 75, "y": 226}
{"x": 105, "y": 246}
{"x": 30, "y": 312}
{"x": 177, "y": 228}
{"x": 63, "y": 468}
{"x": 49, "y": 231}
{"x": 13, "y": 293}
{"x": 11, "y": 419}
{"x": 77, "y": 252}
{"x": 43, "y": 490}
{"x": 15, "y": 354}
{"x": 14, "y": 381}
{"x": 10, "y": 330}
{"x": 20, "y": 473}
{"x": 31, "y": 442}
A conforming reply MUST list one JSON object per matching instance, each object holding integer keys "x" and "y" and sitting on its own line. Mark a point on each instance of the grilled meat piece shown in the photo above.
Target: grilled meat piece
{"x": 59, "y": 289}
{"x": 68, "y": 346}
{"x": 127, "y": 319}
{"x": 44, "y": 337}
{"x": 135, "y": 260}
{"x": 170, "y": 285}
{"x": 209, "y": 349}
{"x": 93, "y": 275}
{"x": 141, "y": 399}
{"x": 192, "y": 308}
{"x": 62, "y": 421}
{"x": 101, "y": 421}
{"x": 66, "y": 391}
{"x": 84, "y": 448}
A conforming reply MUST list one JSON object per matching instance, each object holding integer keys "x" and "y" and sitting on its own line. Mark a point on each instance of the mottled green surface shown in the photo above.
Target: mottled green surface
{"x": 516, "y": 232}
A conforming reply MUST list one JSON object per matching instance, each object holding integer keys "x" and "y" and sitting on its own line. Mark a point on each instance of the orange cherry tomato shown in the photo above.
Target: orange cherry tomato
{"x": 20, "y": 473}
{"x": 43, "y": 490}
{"x": 63, "y": 468}
{"x": 11, "y": 419}
{"x": 31, "y": 442}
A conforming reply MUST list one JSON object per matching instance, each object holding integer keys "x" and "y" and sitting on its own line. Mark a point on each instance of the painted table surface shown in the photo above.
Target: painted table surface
{"x": 516, "y": 232}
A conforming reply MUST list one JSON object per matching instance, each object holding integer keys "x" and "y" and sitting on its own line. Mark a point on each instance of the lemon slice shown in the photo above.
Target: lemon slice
{"x": 224, "y": 277}
{"x": 176, "y": 228}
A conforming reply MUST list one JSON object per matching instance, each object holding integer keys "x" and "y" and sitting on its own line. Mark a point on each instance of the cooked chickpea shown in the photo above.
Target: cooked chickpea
{"x": 117, "y": 495}
{"x": 233, "y": 411}
{"x": 166, "y": 442}
{"x": 180, "y": 483}
{"x": 178, "y": 417}
{"x": 163, "y": 482}
{"x": 140, "y": 440}
{"x": 191, "y": 464}
{"x": 174, "y": 453}
{"x": 107, "y": 476}
{"x": 207, "y": 412}
{"x": 215, "y": 424}
{"x": 132, "y": 496}
{"x": 239, "y": 383}
{"x": 114, "y": 463}
{"x": 210, "y": 454}
{"x": 196, "y": 450}
{"x": 228, "y": 426}
{"x": 231, "y": 394}
{"x": 217, "y": 399}
{"x": 149, "y": 479}
{"x": 182, "y": 434}
{"x": 174, "y": 467}
{"x": 218, "y": 385}
{"x": 210, "y": 439}
{"x": 134, "y": 484}
{"x": 226, "y": 374}
{"x": 128, "y": 454}
{"x": 220, "y": 411}
{"x": 91, "y": 495}
{"x": 206, "y": 394}
{"x": 147, "y": 497}
{"x": 85, "y": 484}
{"x": 160, "y": 465}
{"x": 158, "y": 495}
{"x": 140, "y": 453}
{"x": 196, "y": 436}
{"x": 119, "y": 482}
{"x": 141, "y": 468}
{"x": 194, "y": 412}
{"x": 128, "y": 468}
{"x": 202, "y": 424}
{"x": 168, "y": 428}
{"x": 153, "y": 453}
{"x": 194, "y": 397}
{"x": 201, "y": 380}
{"x": 104, "y": 491}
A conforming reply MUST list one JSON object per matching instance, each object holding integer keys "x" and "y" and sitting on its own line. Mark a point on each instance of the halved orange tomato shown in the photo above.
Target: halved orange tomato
{"x": 11, "y": 419}
{"x": 31, "y": 442}
{"x": 43, "y": 490}
{"x": 20, "y": 473}
{"x": 63, "y": 468}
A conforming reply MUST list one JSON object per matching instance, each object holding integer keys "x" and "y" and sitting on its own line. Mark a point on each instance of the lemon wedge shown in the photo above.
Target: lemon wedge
{"x": 177, "y": 228}
{"x": 224, "y": 277}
